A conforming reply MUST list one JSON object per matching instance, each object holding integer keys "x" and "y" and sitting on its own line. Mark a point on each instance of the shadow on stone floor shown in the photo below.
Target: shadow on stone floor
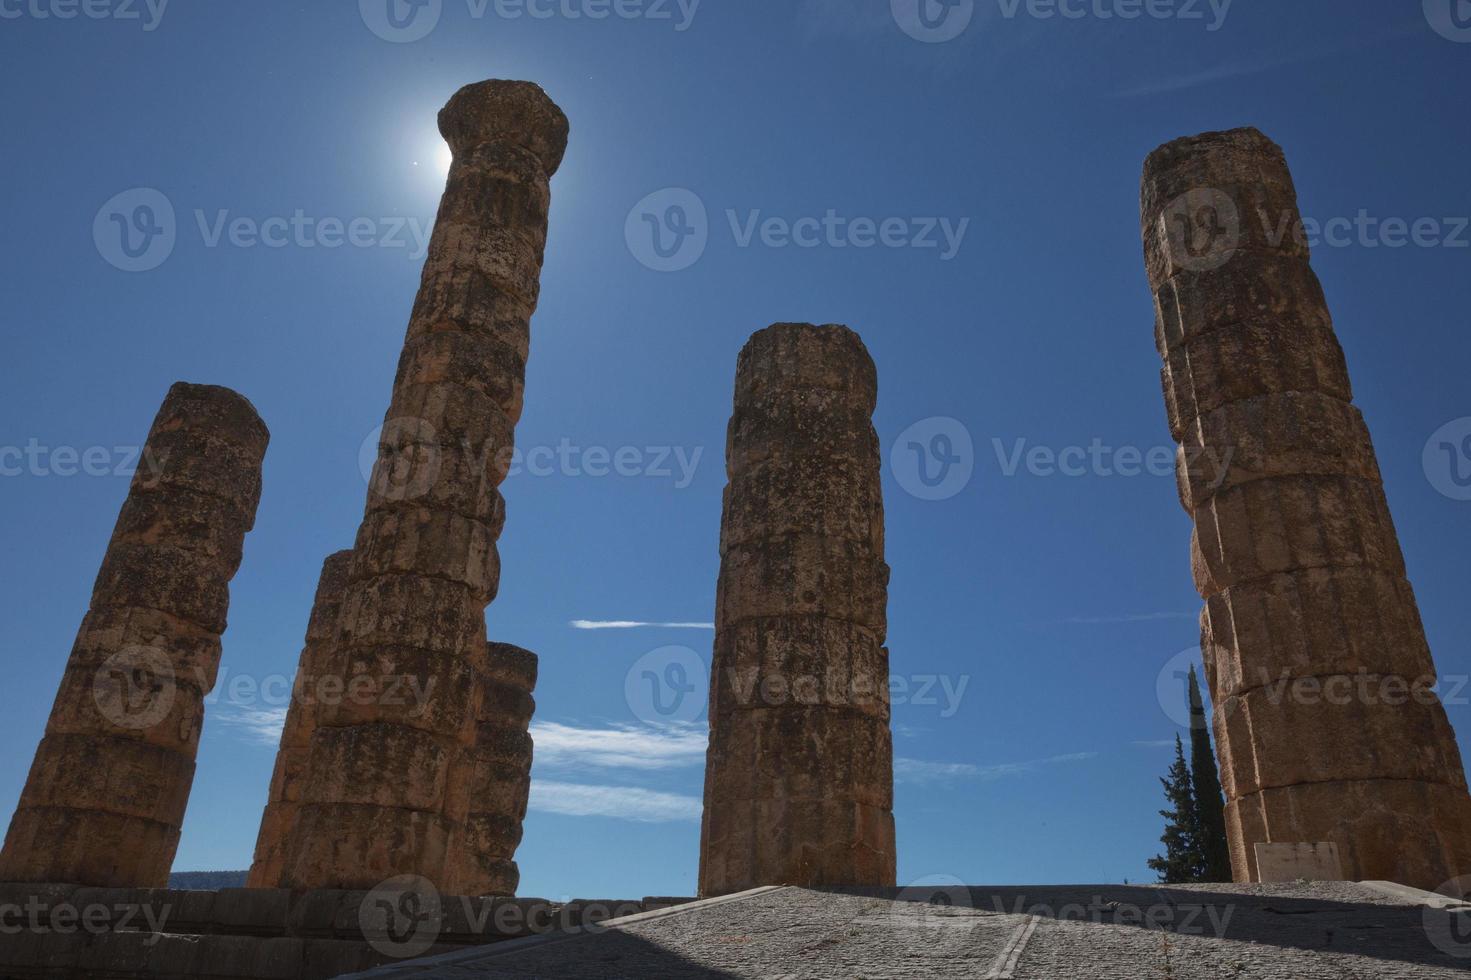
{"x": 1399, "y": 933}
{"x": 600, "y": 955}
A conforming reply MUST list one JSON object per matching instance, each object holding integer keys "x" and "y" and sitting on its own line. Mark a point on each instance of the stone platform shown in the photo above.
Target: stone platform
{"x": 1296, "y": 931}
{"x": 64, "y": 931}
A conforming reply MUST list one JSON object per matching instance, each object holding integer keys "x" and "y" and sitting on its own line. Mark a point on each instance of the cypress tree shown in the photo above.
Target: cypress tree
{"x": 1182, "y": 860}
{"x": 1210, "y": 806}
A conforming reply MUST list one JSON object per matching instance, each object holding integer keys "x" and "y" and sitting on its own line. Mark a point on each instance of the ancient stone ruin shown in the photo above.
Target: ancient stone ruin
{"x": 799, "y": 776}
{"x": 407, "y": 753}
{"x": 301, "y": 721}
{"x": 495, "y": 773}
{"x": 1326, "y": 726}
{"x": 107, "y": 790}
{"x": 381, "y": 795}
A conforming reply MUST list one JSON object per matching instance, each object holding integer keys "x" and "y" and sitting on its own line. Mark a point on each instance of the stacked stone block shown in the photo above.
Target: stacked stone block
{"x": 110, "y": 782}
{"x": 495, "y": 773}
{"x": 799, "y": 778}
{"x": 379, "y": 799}
{"x": 1320, "y": 673}
{"x": 312, "y": 684}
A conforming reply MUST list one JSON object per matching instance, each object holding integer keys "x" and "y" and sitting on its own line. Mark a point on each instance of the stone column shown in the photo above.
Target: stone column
{"x": 495, "y": 775}
{"x": 107, "y": 790}
{"x": 799, "y": 777}
{"x": 377, "y": 800}
{"x": 1319, "y": 671}
{"x": 301, "y": 722}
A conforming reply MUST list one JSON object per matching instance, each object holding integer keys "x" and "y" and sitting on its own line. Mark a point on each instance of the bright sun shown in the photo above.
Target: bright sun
{"x": 435, "y": 162}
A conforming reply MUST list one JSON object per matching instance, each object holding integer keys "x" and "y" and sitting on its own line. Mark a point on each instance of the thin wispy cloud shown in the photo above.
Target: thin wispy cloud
{"x": 562, "y": 746}
{"x": 633, "y": 624}
{"x": 922, "y": 772}
{"x": 1257, "y": 66}
{"x": 1156, "y": 743}
{"x": 616, "y": 802}
{"x": 253, "y": 724}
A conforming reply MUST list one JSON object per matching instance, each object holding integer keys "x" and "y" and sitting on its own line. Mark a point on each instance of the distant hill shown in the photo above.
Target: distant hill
{"x": 206, "y": 881}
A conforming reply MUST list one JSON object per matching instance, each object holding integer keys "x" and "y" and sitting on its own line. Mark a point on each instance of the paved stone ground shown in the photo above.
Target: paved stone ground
{"x": 1293, "y": 932}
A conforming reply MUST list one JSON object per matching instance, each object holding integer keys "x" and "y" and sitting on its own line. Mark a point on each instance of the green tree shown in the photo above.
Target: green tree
{"x": 1210, "y": 806}
{"x": 1181, "y": 861}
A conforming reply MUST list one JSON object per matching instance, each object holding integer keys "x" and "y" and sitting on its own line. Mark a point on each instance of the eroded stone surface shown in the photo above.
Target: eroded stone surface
{"x": 799, "y": 779}
{"x": 110, "y": 781}
{"x": 495, "y": 775}
{"x": 1326, "y": 724}
{"x": 301, "y": 723}
{"x": 385, "y": 791}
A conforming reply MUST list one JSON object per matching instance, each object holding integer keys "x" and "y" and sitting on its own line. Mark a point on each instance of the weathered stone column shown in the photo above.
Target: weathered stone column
{"x": 377, "y": 800}
{"x": 495, "y": 774}
{"x": 1325, "y": 723}
{"x": 111, "y": 779}
{"x": 301, "y": 722}
{"x": 799, "y": 777}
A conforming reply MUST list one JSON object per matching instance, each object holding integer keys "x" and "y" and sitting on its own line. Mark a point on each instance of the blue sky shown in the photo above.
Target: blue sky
{"x": 1031, "y": 614}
